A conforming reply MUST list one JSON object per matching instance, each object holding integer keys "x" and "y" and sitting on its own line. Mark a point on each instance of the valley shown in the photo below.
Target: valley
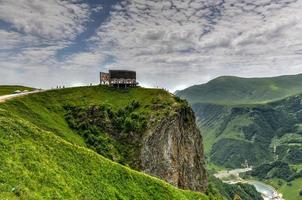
{"x": 253, "y": 122}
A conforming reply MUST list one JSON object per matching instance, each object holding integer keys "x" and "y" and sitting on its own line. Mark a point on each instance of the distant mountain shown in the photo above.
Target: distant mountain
{"x": 236, "y": 90}
{"x": 252, "y": 120}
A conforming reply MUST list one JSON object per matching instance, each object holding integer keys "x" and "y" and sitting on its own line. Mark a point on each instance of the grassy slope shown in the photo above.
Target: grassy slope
{"x": 41, "y": 158}
{"x": 9, "y": 89}
{"x": 46, "y": 109}
{"x": 290, "y": 192}
{"x": 36, "y": 164}
{"x": 235, "y": 90}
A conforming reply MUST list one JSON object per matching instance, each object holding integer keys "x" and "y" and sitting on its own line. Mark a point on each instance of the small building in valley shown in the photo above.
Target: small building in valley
{"x": 119, "y": 78}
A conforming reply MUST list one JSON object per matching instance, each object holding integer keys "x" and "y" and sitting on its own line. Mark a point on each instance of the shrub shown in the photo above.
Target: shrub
{"x": 113, "y": 134}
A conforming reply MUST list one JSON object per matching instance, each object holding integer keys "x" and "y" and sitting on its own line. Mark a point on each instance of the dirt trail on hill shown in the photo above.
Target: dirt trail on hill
{"x": 12, "y": 96}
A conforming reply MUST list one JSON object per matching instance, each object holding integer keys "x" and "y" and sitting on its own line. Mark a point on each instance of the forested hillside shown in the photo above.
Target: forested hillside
{"x": 252, "y": 121}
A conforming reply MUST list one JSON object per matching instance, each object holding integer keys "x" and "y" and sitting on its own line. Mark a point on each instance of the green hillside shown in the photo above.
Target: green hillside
{"x": 9, "y": 89}
{"x": 252, "y": 133}
{"x": 291, "y": 191}
{"x": 36, "y": 164}
{"x": 46, "y": 149}
{"x": 47, "y": 110}
{"x": 42, "y": 158}
{"x": 236, "y": 90}
{"x": 255, "y": 121}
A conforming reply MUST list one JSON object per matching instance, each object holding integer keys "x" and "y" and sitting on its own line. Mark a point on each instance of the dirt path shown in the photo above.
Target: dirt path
{"x": 12, "y": 96}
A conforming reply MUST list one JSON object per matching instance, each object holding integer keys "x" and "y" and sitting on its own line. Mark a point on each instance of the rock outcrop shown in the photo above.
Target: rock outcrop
{"x": 165, "y": 142}
{"x": 173, "y": 151}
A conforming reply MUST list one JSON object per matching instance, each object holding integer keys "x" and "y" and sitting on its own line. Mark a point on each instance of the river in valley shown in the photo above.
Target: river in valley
{"x": 232, "y": 177}
{"x": 267, "y": 191}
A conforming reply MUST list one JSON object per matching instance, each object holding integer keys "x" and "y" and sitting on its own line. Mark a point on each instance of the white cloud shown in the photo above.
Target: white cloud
{"x": 173, "y": 43}
{"x": 50, "y": 19}
{"x": 84, "y": 61}
{"x": 177, "y": 39}
{"x": 11, "y": 40}
{"x": 97, "y": 8}
{"x": 35, "y": 32}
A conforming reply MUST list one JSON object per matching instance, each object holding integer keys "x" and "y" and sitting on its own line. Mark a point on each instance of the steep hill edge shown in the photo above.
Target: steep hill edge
{"x": 46, "y": 111}
{"x": 37, "y": 164}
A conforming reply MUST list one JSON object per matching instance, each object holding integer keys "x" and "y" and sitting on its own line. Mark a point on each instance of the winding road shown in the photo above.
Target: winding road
{"x": 11, "y": 96}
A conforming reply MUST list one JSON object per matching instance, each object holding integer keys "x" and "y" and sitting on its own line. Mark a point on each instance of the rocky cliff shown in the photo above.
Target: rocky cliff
{"x": 159, "y": 138}
{"x": 173, "y": 151}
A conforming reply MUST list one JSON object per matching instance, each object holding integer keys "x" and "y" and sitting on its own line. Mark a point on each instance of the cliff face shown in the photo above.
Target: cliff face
{"x": 159, "y": 138}
{"x": 173, "y": 151}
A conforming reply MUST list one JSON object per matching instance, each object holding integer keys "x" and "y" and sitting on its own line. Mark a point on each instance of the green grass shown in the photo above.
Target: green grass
{"x": 289, "y": 191}
{"x": 36, "y": 164}
{"x": 46, "y": 109}
{"x": 229, "y": 90}
{"x": 9, "y": 89}
{"x": 42, "y": 158}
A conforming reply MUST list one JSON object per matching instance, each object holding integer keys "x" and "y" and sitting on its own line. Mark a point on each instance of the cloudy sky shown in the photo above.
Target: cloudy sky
{"x": 170, "y": 43}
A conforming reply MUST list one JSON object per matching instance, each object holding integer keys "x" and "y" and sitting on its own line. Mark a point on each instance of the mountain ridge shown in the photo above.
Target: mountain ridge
{"x": 238, "y": 90}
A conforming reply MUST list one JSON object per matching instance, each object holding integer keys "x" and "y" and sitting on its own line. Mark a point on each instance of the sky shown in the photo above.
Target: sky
{"x": 171, "y": 44}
